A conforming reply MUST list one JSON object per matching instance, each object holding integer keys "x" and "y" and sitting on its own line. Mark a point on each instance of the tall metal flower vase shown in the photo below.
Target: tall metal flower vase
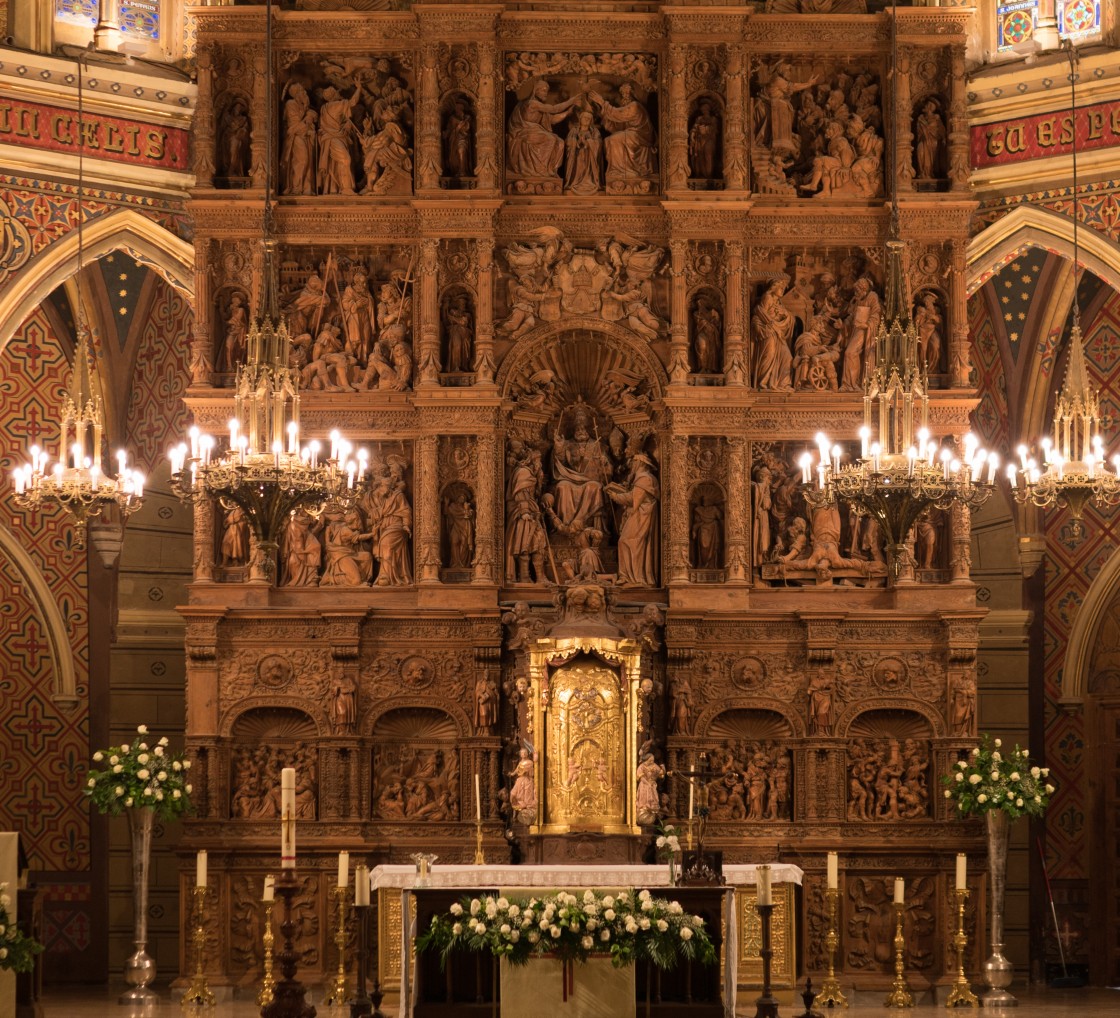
{"x": 998, "y": 971}
{"x": 140, "y": 968}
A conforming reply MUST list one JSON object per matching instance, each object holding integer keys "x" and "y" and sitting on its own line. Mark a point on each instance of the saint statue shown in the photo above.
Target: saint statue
{"x": 532, "y": 148}
{"x": 637, "y": 530}
{"x": 297, "y": 157}
{"x": 583, "y": 167}
{"x": 580, "y": 468}
{"x": 631, "y": 147}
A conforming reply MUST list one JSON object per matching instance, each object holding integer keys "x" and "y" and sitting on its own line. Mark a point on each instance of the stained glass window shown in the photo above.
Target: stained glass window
{"x": 76, "y": 12}
{"x": 1015, "y": 22}
{"x": 140, "y": 18}
{"x": 1079, "y": 18}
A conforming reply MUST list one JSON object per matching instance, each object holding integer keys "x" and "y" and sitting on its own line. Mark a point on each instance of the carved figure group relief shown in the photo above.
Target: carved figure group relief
{"x": 416, "y": 783}
{"x": 755, "y": 781}
{"x": 888, "y": 779}
{"x": 255, "y": 780}
{"x": 347, "y": 127}
{"x": 817, "y": 132}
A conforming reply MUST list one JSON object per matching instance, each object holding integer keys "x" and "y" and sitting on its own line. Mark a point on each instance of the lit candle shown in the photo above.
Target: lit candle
{"x": 962, "y": 871}
{"x": 691, "y": 798}
{"x": 1011, "y": 475}
{"x": 361, "y": 886}
{"x": 288, "y": 818}
{"x": 477, "y": 799}
{"x": 194, "y": 433}
{"x": 293, "y": 438}
{"x": 864, "y": 441}
{"x": 806, "y": 464}
{"x": 833, "y": 871}
{"x": 269, "y": 889}
{"x": 277, "y": 449}
{"x": 899, "y": 890}
{"x": 343, "y": 869}
{"x": 764, "y": 895}
{"x": 200, "y": 869}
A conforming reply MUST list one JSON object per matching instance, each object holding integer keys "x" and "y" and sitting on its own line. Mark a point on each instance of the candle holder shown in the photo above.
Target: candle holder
{"x": 688, "y": 835}
{"x": 377, "y": 996}
{"x": 767, "y": 1004}
{"x": 336, "y": 995}
{"x": 831, "y": 993}
{"x": 900, "y": 995}
{"x": 961, "y": 993}
{"x": 268, "y": 984}
{"x": 360, "y": 1004}
{"x": 288, "y": 994}
{"x": 479, "y": 858}
{"x": 199, "y": 992}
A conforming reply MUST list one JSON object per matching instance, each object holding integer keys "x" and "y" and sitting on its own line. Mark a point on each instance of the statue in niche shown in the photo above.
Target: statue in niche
{"x": 390, "y": 522}
{"x": 523, "y": 795}
{"x": 235, "y": 538}
{"x": 342, "y": 537}
{"x": 928, "y": 322}
{"x": 534, "y": 151}
{"x": 637, "y": 529}
{"x": 631, "y": 145}
{"x": 458, "y": 140}
{"x": 526, "y": 539}
{"x": 707, "y": 533}
{"x": 649, "y": 773}
{"x": 821, "y": 715}
{"x": 761, "y": 503}
{"x": 771, "y": 331}
{"x": 925, "y": 542}
{"x": 458, "y": 522}
{"x": 707, "y": 334}
{"x": 485, "y": 704}
{"x": 237, "y": 329}
{"x": 386, "y": 156}
{"x": 344, "y": 707}
{"x": 235, "y": 133}
{"x": 297, "y": 157}
{"x": 861, "y": 326}
{"x": 703, "y": 143}
{"x": 458, "y": 331}
{"x": 580, "y": 469}
{"x": 963, "y": 713}
{"x": 583, "y": 164}
{"x": 929, "y": 141}
{"x": 358, "y": 316}
{"x": 680, "y": 711}
{"x": 301, "y": 553}
{"x": 335, "y": 171}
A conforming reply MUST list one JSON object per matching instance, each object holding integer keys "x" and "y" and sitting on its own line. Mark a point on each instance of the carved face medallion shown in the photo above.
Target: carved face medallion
{"x": 748, "y": 673}
{"x": 890, "y": 675}
{"x": 274, "y": 671}
{"x": 417, "y": 672}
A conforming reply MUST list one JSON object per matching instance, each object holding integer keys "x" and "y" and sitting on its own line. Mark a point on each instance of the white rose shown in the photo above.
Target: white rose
{"x": 604, "y": 934}
{"x": 514, "y": 911}
{"x": 503, "y": 903}
{"x": 686, "y": 933}
{"x": 545, "y": 924}
{"x": 505, "y": 929}
{"x": 141, "y": 729}
{"x": 515, "y": 936}
{"x": 92, "y": 783}
{"x": 961, "y": 765}
{"x": 660, "y": 840}
{"x": 981, "y": 797}
{"x": 161, "y": 776}
{"x": 643, "y": 895}
{"x": 143, "y": 774}
{"x": 147, "y": 791}
{"x": 534, "y": 936}
{"x": 631, "y": 926}
{"x": 976, "y": 751}
{"x": 662, "y": 925}
{"x": 3, "y": 952}
{"x": 176, "y": 766}
{"x": 948, "y": 793}
{"x": 491, "y": 910}
{"x": 608, "y": 901}
{"x": 998, "y": 743}
{"x": 142, "y": 758}
{"x": 592, "y": 925}
{"x": 1019, "y": 803}
{"x": 1035, "y": 772}
{"x": 1044, "y": 771}
{"x": 959, "y": 776}
{"x": 128, "y": 801}
{"x": 114, "y": 759}
{"x": 996, "y": 758}
{"x": 974, "y": 779}
{"x": 118, "y": 791}
{"x": 159, "y": 796}
{"x": 574, "y": 926}
{"x": 609, "y": 915}
{"x": 186, "y": 765}
{"x": 143, "y": 745}
{"x": 98, "y": 756}
{"x": 1038, "y": 798}
{"x": 480, "y": 927}
{"x": 995, "y": 775}
{"x": 3, "y": 929}
{"x": 125, "y": 747}
{"x": 456, "y": 909}
{"x": 554, "y": 932}
{"x": 475, "y": 906}
{"x": 456, "y": 929}
{"x": 188, "y": 789}
{"x": 176, "y": 794}
{"x": 587, "y": 943}
{"x": 118, "y": 768}
{"x": 158, "y": 751}
{"x": 647, "y": 906}
{"x": 163, "y": 741}
{"x": 675, "y": 907}
{"x": 1049, "y": 789}
{"x": 1014, "y": 775}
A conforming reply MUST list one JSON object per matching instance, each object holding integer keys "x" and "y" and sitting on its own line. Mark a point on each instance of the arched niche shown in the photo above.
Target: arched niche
{"x": 262, "y": 742}
{"x": 415, "y": 771}
{"x": 457, "y": 532}
{"x": 749, "y": 748}
{"x": 888, "y": 760}
{"x": 707, "y": 515}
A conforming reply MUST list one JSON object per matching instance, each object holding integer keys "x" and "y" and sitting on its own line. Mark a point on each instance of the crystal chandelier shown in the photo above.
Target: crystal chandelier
{"x": 1073, "y": 471}
{"x": 263, "y": 470}
{"x": 901, "y": 473}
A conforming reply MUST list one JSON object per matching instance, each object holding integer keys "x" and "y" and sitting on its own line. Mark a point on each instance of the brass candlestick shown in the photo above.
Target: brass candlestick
{"x": 900, "y": 995}
{"x": 961, "y": 993}
{"x": 268, "y": 983}
{"x": 479, "y": 858}
{"x": 337, "y": 993}
{"x": 688, "y": 835}
{"x": 766, "y": 1006}
{"x": 830, "y": 989}
{"x": 199, "y": 992}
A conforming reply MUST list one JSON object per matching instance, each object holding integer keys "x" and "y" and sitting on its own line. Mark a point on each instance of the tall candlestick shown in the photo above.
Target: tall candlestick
{"x": 343, "y": 869}
{"x": 288, "y": 818}
{"x": 764, "y": 896}
{"x": 962, "y": 871}
{"x": 361, "y": 886}
{"x": 200, "y": 869}
{"x": 899, "y": 890}
{"x": 477, "y": 799}
{"x": 833, "y": 871}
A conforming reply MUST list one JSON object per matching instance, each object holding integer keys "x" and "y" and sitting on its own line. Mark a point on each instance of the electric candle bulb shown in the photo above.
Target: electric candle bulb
{"x": 200, "y": 869}
{"x": 269, "y": 893}
{"x": 899, "y": 891}
{"x": 806, "y": 464}
{"x": 343, "y": 869}
{"x": 864, "y": 441}
{"x": 1011, "y": 475}
{"x": 293, "y": 438}
{"x": 833, "y": 871}
{"x": 962, "y": 876}
{"x": 194, "y": 433}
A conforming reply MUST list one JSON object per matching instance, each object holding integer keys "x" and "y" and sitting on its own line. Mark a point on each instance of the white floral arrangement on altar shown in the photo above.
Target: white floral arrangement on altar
{"x": 136, "y": 775}
{"x": 628, "y": 926}
{"x": 990, "y": 779}
{"x": 17, "y": 950}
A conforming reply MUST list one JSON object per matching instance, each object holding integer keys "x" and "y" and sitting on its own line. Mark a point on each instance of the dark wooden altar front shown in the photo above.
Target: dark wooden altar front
{"x": 469, "y": 983}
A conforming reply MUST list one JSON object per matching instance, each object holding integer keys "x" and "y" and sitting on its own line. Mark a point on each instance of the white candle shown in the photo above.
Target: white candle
{"x": 287, "y": 818}
{"x": 691, "y": 798}
{"x": 764, "y": 895}
{"x": 962, "y": 871}
{"x": 477, "y": 799}
{"x": 200, "y": 869}
{"x": 361, "y": 885}
{"x": 269, "y": 889}
{"x": 343, "y": 869}
{"x": 899, "y": 890}
{"x": 833, "y": 871}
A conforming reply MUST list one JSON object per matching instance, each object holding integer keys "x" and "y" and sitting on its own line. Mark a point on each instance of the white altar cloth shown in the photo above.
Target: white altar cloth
{"x": 511, "y": 878}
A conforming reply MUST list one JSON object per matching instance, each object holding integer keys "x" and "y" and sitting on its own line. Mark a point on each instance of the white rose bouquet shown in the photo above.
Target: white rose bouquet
{"x": 991, "y": 779}
{"x": 136, "y": 774}
{"x": 17, "y": 950}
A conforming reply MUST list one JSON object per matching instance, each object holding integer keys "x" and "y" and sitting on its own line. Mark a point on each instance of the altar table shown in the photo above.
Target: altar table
{"x": 398, "y": 920}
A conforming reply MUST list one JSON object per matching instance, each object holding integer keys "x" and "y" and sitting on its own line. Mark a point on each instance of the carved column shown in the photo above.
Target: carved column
{"x": 958, "y": 140}
{"x": 260, "y": 116}
{"x": 484, "y": 318}
{"x": 204, "y": 541}
{"x": 738, "y": 521}
{"x": 734, "y": 370}
{"x": 487, "y": 140}
{"x": 678, "y": 120}
{"x": 960, "y": 350}
{"x": 202, "y": 349}
{"x": 904, "y": 156}
{"x": 678, "y": 328}
{"x": 428, "y": 354}
{"x": 960, "y": 554}
{"x": 427, "y": 120}
{"x": 734, "y": 136}
{"x": 678, "y": 510}
{"x": 486, "y": 497}
{"x": 202, "y": 144}
{"x": 426, "y": 502}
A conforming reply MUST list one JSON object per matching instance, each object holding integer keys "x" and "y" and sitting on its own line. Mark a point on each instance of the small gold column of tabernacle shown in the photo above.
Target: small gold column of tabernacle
{"x": 337, "y": 994}
{"x": 830, "y": 989}
{"x": 268, "y": 983}
{"x": 199, "y": 992}
{"x": 961, "y": 992}
{"x": 900, "y": 995}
